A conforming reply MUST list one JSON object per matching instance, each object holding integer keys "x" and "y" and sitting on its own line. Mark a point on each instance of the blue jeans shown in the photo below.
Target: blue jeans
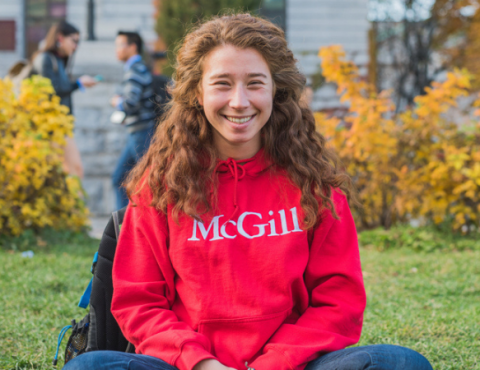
{"x": 377, "y": 357}
{"x": 137, "y": 145}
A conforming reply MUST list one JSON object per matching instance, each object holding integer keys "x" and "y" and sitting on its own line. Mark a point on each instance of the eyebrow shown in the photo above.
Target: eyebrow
{"x": 224, "y": 75}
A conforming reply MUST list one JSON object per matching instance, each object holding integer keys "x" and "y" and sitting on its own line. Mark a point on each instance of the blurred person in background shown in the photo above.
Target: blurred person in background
{"x": 53, "y": 61}
{"x": 135, "y": 108}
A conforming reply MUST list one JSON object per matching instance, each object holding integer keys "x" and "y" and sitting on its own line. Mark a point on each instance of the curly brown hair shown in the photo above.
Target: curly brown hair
{"x": 180, "y": 162}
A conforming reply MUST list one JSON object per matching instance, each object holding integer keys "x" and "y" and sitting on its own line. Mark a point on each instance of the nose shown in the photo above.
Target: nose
{"x": 239, "y": 99}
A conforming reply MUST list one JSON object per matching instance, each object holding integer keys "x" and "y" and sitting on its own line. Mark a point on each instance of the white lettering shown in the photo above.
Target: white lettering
{"x": 273, "y": 231}
{"x": 220, "y": 233}
{"x": 261, "y": 230}
{"x": 241, "y": 230}
{"x": 194, "y": 235}
{"x": 295, "y": 221}
{"x": 283, "y": 220}
{"x": 201, "y": 226}
{"x": 224, "y": 232}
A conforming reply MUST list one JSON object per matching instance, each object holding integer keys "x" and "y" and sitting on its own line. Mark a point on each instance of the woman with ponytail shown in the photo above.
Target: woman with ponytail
{"x": 53, "y": 61}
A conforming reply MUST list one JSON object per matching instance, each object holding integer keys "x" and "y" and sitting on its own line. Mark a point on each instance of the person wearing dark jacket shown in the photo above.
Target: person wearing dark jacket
{"x": 136, "y": 100}
{"x": 52, "y": 61}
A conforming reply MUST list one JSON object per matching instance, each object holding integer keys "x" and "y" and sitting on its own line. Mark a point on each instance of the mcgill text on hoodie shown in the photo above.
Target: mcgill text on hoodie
{"x": 246, "y": 285}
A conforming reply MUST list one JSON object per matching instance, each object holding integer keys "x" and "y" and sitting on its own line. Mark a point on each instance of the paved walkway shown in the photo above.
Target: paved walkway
{"x": 98, "y": 225}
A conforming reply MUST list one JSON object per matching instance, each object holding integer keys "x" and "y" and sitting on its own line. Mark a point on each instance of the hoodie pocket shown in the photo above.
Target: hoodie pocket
{"x": 237, "y": 340}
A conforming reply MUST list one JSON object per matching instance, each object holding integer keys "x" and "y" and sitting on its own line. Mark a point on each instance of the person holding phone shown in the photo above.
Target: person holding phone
{"x": 53, "y": 61}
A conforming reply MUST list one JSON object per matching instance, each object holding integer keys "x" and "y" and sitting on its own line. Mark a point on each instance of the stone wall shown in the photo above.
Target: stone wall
{"x": 100, "y": 143}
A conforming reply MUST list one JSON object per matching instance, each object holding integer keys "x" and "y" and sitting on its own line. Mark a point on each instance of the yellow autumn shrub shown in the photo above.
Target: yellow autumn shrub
{"x": 416, "y": 164}
{"x": 35, "y": 192}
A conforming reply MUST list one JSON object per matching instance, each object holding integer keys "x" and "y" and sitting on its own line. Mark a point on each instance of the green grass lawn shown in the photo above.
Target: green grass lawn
{"x": 426, "y": 301}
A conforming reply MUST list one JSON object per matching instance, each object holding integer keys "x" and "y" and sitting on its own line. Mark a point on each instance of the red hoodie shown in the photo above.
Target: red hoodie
{"x": 248, "y": 285}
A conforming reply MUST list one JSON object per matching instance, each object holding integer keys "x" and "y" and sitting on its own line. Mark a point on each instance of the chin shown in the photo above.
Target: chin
{"x": 235, "y": 140}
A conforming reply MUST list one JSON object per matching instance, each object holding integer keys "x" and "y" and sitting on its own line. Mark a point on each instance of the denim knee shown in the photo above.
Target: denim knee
{"x": 95, "y": 360}
{"x": 347, "y": 359}
{"x": 393, "y": 357}
{"x": 373, "y": 357}
{"x": 114, "y": 360}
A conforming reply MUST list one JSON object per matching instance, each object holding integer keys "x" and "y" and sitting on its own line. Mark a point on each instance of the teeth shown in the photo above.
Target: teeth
{"x": 239, "y": 120}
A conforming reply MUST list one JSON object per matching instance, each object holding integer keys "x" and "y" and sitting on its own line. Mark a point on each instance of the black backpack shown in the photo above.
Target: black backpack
{"x": 98, "y": 330}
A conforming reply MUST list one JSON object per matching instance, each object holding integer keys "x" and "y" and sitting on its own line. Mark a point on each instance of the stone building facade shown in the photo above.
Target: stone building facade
{"x": 309, "y": 25}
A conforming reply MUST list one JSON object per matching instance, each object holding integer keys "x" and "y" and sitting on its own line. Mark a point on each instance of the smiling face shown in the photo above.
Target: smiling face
{"x": 237, "y": 98}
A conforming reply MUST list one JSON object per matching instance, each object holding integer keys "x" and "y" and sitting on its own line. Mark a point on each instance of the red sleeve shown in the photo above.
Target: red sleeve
{"x": 334, "y": 281}
{"x": 143, "y": 281}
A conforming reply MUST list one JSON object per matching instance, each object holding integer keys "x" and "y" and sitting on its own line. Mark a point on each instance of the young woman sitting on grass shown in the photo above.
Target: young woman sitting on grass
{"x": 238, "y": 248}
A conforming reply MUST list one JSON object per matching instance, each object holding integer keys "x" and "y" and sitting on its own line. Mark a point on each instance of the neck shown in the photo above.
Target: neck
{"x": 237, "y": 151}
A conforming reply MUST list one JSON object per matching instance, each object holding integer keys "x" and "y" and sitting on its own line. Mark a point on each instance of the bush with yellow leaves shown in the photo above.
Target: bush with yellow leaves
{"x": 35, "y": 192}
{"x": 416, "y": 164}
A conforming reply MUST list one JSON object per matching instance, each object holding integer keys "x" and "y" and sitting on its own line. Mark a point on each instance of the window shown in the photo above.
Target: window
{"x": 39, "y": 16}
{"x": 274, "y": 10}
{"x": 7, "y": 30}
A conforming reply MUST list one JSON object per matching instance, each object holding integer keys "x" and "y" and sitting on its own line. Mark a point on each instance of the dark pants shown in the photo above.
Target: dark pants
{"x": 378, "y": 357}
{"x": 137, "y": 145}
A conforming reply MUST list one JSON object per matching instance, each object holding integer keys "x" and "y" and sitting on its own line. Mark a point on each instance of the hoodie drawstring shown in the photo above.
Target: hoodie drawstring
{"x": 233, "y": 167}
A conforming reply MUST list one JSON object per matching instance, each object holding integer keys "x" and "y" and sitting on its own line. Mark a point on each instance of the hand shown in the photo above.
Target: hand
{"x": 211, "y": 364}
{"x": 87, "y": 81}
{"x": 115, "y": 100}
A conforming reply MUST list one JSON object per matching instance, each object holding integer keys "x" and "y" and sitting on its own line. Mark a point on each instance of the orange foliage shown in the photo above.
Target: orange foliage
{"x": 456, "y": 37}
{"x": 471, "y": 57}
{"x": 415, "y": 164}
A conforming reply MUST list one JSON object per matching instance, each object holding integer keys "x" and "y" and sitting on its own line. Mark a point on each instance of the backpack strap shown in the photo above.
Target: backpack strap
{"x": 118, "y": 220}
{"x": 130, "y": 348}
{"x": 85, "y": 299}
{"x": 116, "y": 224}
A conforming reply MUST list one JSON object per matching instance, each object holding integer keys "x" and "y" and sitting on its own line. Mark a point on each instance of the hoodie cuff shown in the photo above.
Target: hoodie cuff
{"x": 192, "y": 354}
{"x": 271, "y": 360}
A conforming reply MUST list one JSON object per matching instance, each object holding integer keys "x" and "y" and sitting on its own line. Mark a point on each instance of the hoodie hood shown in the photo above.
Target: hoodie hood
{"x": 251, "y": 166}
{"x": 240, "y": 168}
